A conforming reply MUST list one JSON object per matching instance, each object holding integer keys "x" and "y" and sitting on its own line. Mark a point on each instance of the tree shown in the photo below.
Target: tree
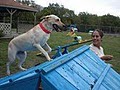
{"x": 59, "y": 11}
{"x": 110, "y": 20}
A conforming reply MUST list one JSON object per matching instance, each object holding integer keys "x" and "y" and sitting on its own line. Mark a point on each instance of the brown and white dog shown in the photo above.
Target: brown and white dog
{"x": 34, "y": 39}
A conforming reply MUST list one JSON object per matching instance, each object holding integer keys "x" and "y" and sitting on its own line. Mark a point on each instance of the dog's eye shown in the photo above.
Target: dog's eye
{"x": 57, "y": 20}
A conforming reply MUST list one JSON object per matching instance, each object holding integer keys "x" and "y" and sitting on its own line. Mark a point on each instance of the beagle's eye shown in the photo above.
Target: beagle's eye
{"x": 57, "y": 20}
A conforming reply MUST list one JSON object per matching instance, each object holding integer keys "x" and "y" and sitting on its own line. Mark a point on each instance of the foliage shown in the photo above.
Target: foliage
{"x": 65, "y": 14}
{"x": 26, "y": 16}
{"x": 110, "y": 20}
{"x": 1, "y": 33}
{"x": 88, "y": 19}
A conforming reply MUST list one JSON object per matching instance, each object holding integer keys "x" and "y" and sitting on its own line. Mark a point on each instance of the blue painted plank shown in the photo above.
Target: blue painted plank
{"x": 94, "y": 63}
{"x": 106, "y": 86}
{"x": 115, "y": 75}
{"x": 11, "y": 81}
{"x": 94, "y": 68}
{"x": 80, "y": 71}
{"x": 102, "y": 88}
{"x": 54, "y": 79}
{"x": 64, "y": 59}
{"x": 101, "y": 78}
{"x": 115, "y": 80}
{"x": 78, "y": 61}
{"x": 15, "y": 76}
{"x": 46, "y": 83}
{"x": 111, "y": 81}
{"x": 28, "y": 83}
{"x": 109, "y": 84}
{"x": 68, "y": 74}
{"x": 95, "y": 58}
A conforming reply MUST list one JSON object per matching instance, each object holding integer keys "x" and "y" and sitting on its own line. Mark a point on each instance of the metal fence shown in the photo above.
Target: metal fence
{"x": 23, "y": 26}
{"x": 106, "y": 29}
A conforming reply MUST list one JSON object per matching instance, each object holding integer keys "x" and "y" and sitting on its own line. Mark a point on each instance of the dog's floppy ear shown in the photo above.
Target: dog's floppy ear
{"x": 42, "y": 18}
{"x": 45, "y": 17}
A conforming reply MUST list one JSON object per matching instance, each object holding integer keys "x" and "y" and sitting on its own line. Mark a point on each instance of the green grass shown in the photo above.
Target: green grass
{"x": 111, "y": 45}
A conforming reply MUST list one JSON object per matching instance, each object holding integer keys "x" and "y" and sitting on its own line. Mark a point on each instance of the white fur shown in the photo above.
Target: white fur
{"x": 34, "y": 39}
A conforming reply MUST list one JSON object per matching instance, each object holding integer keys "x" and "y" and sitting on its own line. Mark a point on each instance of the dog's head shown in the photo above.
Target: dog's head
{"x": 53, "y": 22}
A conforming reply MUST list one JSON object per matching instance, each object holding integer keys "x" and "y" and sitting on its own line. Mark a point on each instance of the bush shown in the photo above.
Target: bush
{"x": 1, "y": 33}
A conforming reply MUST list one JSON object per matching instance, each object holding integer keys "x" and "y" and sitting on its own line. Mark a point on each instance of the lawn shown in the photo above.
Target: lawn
{"x": 111, "y": 44}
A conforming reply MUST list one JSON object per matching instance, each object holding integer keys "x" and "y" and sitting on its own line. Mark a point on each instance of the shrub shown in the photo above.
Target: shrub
{"x": 1, "y": 33}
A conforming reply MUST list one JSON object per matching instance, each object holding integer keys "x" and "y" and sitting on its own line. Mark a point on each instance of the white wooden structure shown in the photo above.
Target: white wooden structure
{"x": 6, "y": 28}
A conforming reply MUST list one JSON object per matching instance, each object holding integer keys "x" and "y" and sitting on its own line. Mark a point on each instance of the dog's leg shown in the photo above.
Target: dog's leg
{"x": 48, "y": 48}
{"x": 11, "y": 58}
{"x": 43, "y": 51}
{"x": 21, "y": 56}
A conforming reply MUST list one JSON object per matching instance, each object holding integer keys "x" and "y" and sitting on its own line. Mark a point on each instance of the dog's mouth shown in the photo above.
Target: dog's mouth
{"x": 58, "y": 28}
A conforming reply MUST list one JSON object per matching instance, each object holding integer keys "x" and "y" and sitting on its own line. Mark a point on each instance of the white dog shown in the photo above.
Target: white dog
{"x": 34, "y": 39}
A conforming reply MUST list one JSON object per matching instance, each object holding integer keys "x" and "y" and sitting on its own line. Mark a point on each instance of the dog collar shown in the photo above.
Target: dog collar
{"x": 44, "y": 29}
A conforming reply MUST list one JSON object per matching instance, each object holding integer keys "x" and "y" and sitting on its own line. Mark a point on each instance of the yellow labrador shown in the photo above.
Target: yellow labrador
{"x": 34, "y": 39}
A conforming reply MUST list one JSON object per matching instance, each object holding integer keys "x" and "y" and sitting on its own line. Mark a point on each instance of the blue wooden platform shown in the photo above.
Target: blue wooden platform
{"x": 80, "y": 69}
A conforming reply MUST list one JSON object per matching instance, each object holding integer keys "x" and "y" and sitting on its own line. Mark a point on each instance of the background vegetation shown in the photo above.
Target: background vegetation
{"x": 111, "y": 45}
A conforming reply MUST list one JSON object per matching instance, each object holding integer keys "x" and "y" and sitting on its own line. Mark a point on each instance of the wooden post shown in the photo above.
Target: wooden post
{"x": 34, "y": 14}
{"x": 11, "y": 12}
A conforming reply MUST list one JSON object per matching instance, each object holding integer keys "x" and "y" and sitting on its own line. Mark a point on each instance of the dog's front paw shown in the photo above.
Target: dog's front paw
{"x": 50, "y": 59}
{"x": 23, "y": 69}
{"x": 8, "y": 73}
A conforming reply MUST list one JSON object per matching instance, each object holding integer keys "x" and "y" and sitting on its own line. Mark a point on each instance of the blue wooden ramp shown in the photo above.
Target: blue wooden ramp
{"x": 80, "y": 69}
